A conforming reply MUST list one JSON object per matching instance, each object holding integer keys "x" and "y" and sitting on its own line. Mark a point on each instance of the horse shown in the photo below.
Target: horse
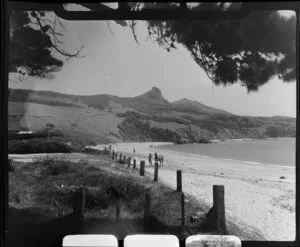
{"x": 160, "y": 159}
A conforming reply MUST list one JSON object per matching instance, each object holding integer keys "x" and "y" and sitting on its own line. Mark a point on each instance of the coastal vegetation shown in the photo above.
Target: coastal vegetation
{"x": 44, "y": 187}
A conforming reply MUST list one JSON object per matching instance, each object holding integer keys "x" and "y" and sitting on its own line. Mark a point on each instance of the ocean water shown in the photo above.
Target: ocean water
{"x": 279, "y": 152}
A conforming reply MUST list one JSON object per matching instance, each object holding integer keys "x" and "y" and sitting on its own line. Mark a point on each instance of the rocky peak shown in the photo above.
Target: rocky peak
{"x": 154, "y": 95}
{"x": 156, "y": 90}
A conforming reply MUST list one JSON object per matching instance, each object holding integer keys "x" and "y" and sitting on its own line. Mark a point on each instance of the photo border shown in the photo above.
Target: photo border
{"x": 7, "y": 6}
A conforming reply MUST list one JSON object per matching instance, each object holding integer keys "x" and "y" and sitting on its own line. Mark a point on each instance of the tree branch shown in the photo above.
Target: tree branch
{"x": 60, "y": 51}
{"x": 64, "y": 53}
{"x": 132, "y": 26}
{"x": 110, "y": 29}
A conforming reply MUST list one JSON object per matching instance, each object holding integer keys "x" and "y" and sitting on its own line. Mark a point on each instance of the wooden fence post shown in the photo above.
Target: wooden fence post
{"x": 116, "y": 156}
{"x": 147, "y": 208}
{"x": 182, "y": 210}
{"x": 219, "y": 207}
{"x": 120, "y": 158}
{"x": 179, "y": 181}
{"x": 155, "y": 171}
{"x": 118, "y": 210}
{"x": 124, "y": 159}
{"x": 134, "y": 163}
{"x": 79, "y": 203}
{"x": 142, "y": 168}
{"x": 129, "y": 161}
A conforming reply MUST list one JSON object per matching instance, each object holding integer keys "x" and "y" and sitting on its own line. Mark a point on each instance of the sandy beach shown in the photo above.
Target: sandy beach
{"x": 255, "y": 197}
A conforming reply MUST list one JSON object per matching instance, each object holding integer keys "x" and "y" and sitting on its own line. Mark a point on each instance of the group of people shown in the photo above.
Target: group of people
{"x": 157, "y": 158}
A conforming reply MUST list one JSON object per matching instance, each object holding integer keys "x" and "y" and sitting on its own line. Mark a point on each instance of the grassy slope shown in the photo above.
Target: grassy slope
{"x": 77, "y": 123}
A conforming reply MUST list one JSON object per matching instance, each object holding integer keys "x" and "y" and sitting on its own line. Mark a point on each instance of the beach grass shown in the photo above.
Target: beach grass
{"x": 41, "y": 191}
{"x": 44, "y": 186}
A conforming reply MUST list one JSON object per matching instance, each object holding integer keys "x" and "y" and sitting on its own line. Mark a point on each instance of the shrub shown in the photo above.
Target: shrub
{"x": 37, "y": 146}
{"x": 56, "y": 169}
{"x": 83, "y": 162}
{"x": 91, "y": 169}
{"x": 115, "y": 187}
{"x": 122, "y": 188}
{"x": 204, "y": 140}
{"x": 273, "y": 131}
{"x": 11, "y": 168}
{"x": 107, "y": 190}
{"x": 15, "y": 147}
{"x": 52, "y": 147}
{"x": 13, "y": 135}
{"x": 91, "y": 151}
{"x": 52, "y": 166}
{"x": 94, "y": 180}
{"x": 96, "y": 198}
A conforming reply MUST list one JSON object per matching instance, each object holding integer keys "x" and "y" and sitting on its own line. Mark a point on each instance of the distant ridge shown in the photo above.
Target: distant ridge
{"x": 195, "y": 105}
{"x": 146, "y": 117}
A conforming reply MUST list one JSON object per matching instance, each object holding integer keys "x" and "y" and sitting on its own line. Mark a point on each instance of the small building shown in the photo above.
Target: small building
{"x": 25, "y": 132}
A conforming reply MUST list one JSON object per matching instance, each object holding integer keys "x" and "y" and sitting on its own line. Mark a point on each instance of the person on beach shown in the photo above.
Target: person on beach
{"x": 133, "y": 150}
{"x": 150, "y": 158}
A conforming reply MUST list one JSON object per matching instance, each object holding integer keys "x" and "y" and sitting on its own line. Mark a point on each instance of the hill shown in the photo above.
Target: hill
{"x": 196, "y": 107}
{"x": 147, "y": 117}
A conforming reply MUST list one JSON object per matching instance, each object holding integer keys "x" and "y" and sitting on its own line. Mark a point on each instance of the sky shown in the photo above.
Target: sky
{"x": 115, "y": 64}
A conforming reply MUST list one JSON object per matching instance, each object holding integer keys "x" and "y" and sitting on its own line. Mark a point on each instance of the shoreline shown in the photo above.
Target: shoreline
{"x": 251, "y": 162}
{"x": 255, "y": 196}
{"x": 229, "y": 159}
{"x": 256, "y": 199}
{"x": 251, "y": 139}
{"x": 211, "y": 140}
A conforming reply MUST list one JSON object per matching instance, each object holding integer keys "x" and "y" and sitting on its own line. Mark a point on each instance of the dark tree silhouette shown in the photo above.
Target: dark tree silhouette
{"x": 249, "y": 51}
{"x": 49, "y": 127}
{"x": 273, "y": 131}
{"x": 35, "y": 44}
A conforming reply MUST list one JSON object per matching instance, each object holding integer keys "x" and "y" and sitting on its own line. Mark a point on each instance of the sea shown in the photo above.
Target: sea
{"x": 278, "y": 152}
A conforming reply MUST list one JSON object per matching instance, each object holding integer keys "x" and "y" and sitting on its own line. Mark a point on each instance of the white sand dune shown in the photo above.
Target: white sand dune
{"x": 255, "y": 196}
